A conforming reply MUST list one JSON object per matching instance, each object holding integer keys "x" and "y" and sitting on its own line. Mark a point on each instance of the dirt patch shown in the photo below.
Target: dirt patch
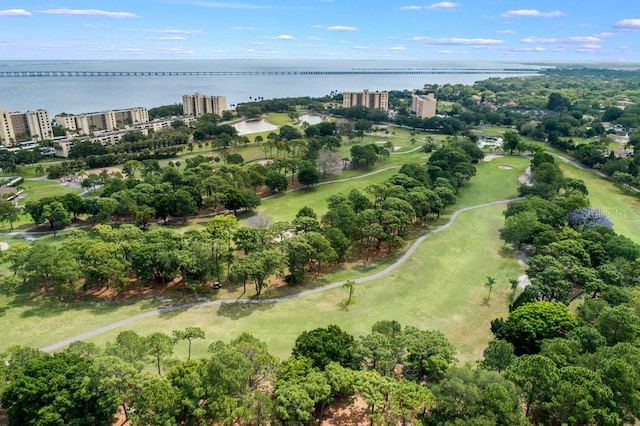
{"x": 491, "y": 157}
{"x": 264, "y": 162}
{"x": 347, "y": 412}
{"x": 114, "y": 169}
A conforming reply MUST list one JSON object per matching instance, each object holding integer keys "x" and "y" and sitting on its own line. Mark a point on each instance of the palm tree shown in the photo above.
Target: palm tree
{"x": 491, "y": 281}
{"x": 351, "y": 286}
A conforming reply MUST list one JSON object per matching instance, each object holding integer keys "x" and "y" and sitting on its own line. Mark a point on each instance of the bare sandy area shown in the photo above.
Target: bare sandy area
{"x": 491, "y": 157}
{"x": 525, "y": 179}
{"x": 523, "y": 281}
{"x": 4, "y": 246}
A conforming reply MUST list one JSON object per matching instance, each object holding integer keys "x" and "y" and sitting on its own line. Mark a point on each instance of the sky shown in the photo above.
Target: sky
{"x": 491, "y": 30}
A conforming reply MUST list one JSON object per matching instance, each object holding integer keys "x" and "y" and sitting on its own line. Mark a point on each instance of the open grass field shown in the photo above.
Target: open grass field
{"x": 285, "y": 207}
{"x": 37, "y": 189}
{"x": 450, "y": 295}
{"x": 441, "y": 287}
{"x": 621, "y": 206}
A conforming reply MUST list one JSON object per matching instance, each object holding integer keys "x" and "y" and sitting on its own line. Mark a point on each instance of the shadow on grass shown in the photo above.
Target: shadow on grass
{"x": 50, "y": 306}
{"x": 237, "y": 311}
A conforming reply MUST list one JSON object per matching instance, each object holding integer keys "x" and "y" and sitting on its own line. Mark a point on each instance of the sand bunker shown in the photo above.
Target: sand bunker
{"x": 523, "y": 281}
{"x": 505, "y": 167}
{"x": 490, "y": 157}
{"x": 4, "y": 246}
{"x": 525, "y": 179}
{"x": 396, "y": 148}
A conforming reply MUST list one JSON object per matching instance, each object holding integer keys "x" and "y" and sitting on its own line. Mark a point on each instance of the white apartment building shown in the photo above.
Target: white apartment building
{"x": 424, "y": 105}
{"x": 34, "y": 124}
{"x": 85, "y": 124}
{"x": 197, "y": 104}
{"x": 372, "y": 100}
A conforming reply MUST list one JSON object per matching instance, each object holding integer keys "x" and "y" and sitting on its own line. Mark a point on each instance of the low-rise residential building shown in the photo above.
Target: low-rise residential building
{"x": 84, "y": 124}
{"x": 424, "y": 105}
{"x": 31, "y": 124}
{"x": 372, "y": 100}
{"x": 197, "y": 104}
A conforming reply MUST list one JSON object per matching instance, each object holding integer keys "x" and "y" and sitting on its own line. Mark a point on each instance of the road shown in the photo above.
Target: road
{"x": 407, "y": 255}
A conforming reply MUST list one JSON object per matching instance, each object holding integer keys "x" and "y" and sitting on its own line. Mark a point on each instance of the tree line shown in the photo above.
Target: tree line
{"x": 357, "y": 225}
{"x": 573, "y": 363}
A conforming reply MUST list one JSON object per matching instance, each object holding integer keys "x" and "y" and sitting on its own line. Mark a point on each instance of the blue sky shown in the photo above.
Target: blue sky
{"x": 493, "y": 30}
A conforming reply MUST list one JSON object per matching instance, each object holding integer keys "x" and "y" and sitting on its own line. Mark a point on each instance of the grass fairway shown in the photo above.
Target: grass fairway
{"x": 441, "y": 287}
{"x": 493, "y": 181}
{"x": 620, "y": 206}
{"x": 37, "y": 189}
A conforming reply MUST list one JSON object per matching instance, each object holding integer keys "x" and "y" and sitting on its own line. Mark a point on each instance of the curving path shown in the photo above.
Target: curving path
{"x": 379, "y": 274}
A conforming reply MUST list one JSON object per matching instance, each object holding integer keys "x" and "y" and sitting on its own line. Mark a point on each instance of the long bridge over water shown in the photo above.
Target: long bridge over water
{"x": 8, "y": 74}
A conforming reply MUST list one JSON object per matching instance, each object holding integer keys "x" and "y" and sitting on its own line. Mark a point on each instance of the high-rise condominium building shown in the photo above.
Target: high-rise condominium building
{"x": 106, "y": 120}
{"x": 372, "y": 100}
{"x": 196, "y": 105}
{"x": 30, "y": 124}
{"x": 424, "y": 105}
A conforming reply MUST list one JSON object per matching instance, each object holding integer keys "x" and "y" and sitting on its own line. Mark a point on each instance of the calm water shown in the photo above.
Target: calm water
{"x": 87, "y": 94}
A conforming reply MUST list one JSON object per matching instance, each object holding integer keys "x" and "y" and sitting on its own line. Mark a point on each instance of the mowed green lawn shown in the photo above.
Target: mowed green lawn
{"x": 285, "y": 207}
{"x": 621, "y": 206}
{"x": 441, "y": 287}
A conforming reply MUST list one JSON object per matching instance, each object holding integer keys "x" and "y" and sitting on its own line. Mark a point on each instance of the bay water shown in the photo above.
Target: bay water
{"x": 76, "y": 95}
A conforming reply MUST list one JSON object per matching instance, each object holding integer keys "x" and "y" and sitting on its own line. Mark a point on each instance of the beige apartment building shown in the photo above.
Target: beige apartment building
{"x": 33, "y": 124}
{"x": 197, "y": 104}
{"x": 424, "y": 105}
{"x": 372, "y": 100}
{"x": 85, "y": 124}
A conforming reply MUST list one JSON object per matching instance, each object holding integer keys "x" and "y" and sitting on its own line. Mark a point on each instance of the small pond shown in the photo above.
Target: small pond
{"x": 310, "y": 118}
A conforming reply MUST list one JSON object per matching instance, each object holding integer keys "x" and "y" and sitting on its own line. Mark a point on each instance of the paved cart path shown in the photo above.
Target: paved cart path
{"x": 406, "y": 256}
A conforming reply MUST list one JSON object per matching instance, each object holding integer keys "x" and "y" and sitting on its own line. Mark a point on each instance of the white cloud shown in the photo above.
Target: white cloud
{"x": 90, "y": 12}
{"x": 442, "y": 5}
{"x": 177, "y": 51}
{"x": 314, "y": 38}
{"x": 167, "y": 31}
{"x": 394, "y": 48}
{"x": 15, "y": 12}
{"x": 445, "y": 52}
{"x": 505, "y": 32}
{"x": 436, "y": 6}
{"x": 532, "y": 12}
{"x": 284, "y": 37}
{"x": 342, "y": 28}
{"x": 361, "y": 47}
{"x": 458, "y": 41}
{"x": 589, "y": 48}
{"x": 529, "y": 49}
{"x": 172, "y": 38}
{"x": 628, "y": 24}
{"x": 565, "y": 40}
{"x": 243, "y": 28}
{"x": 234, "y": 5}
